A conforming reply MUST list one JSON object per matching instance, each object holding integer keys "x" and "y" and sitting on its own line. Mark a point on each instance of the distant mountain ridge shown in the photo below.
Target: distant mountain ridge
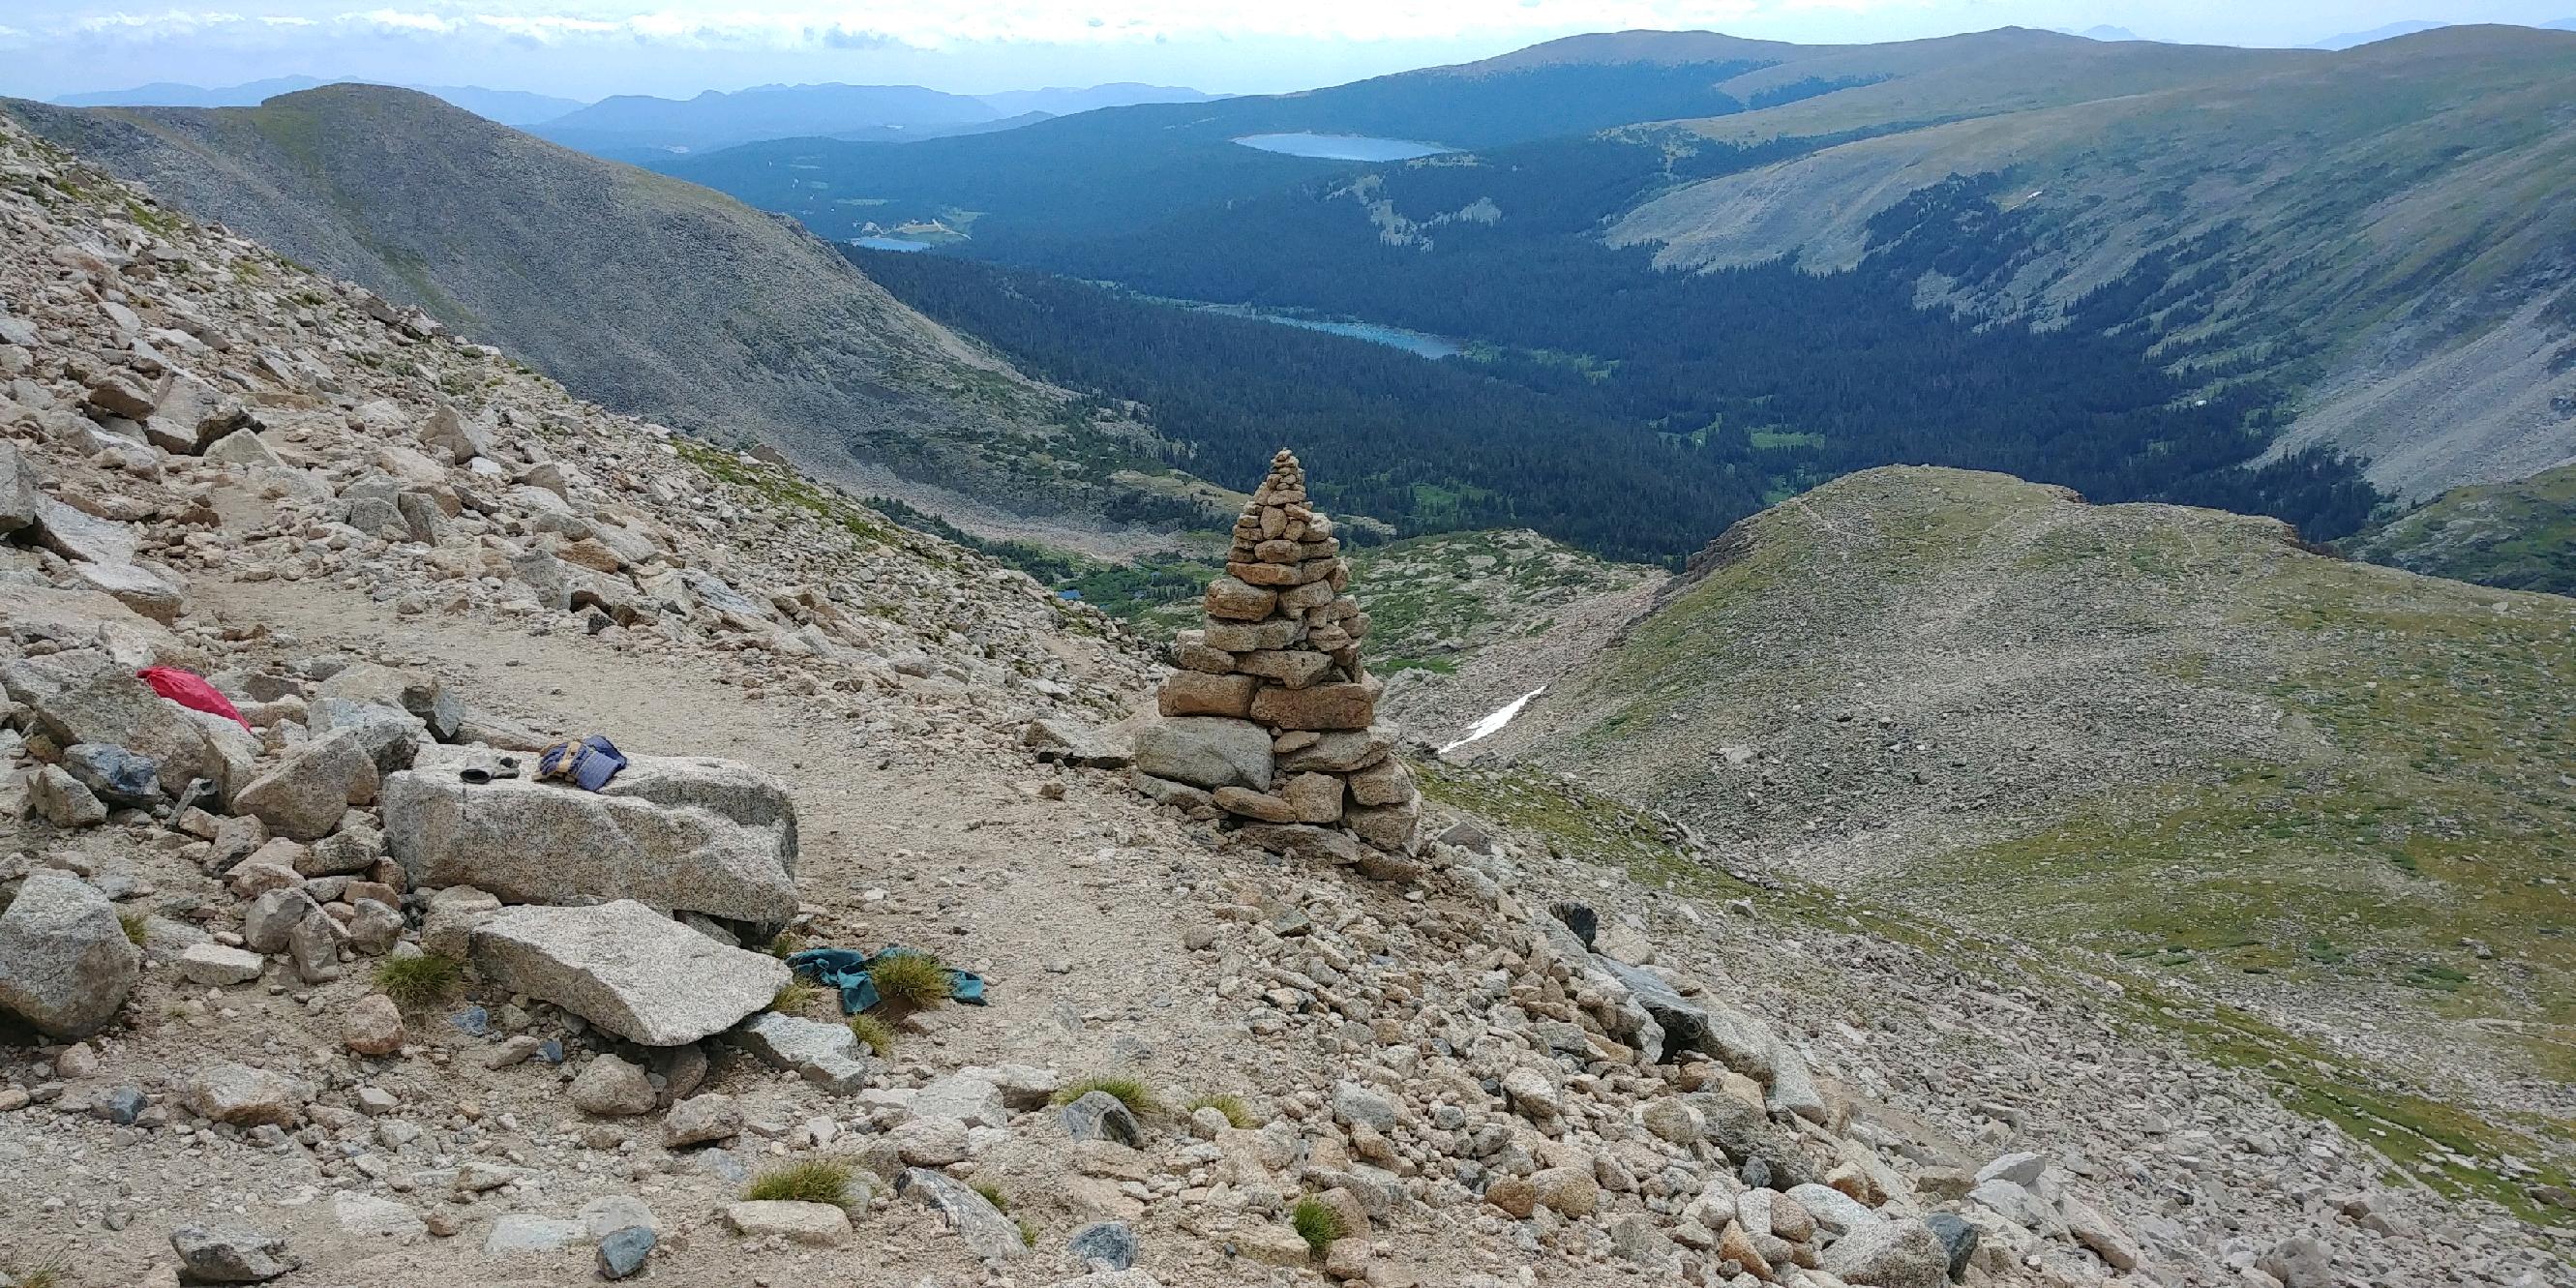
{"x": 648, "y": 295}
{"x": 511, "y": 107}
{"x": 2337, "y": 259}
{"x": 637, "y": 126}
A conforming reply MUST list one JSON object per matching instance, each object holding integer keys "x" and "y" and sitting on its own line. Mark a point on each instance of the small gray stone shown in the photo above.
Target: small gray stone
{"x": 622, "y": 1253}
{"x": 229, "y": 1256}
{"x": 1104, "y": 1245}
{"x": 612, "y": 1088}
{"x": 211, "y": 963}
{"x": 987, "y": 1233}
{"x": 812, "y": 1223}
{"x": 700, "y": 1119}
{"x": 1353, "y": 1103}
{"x": 1097, "y": 1115}
{"x": 1890, "y": 1254}
{"x": 827, "y": 1055}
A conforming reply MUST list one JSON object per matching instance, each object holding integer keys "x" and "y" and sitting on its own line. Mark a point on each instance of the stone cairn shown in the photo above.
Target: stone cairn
{"x": 1271, "y": 718}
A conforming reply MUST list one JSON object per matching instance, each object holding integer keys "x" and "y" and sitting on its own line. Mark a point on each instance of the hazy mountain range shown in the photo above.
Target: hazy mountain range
{"x": 632, "y": 126}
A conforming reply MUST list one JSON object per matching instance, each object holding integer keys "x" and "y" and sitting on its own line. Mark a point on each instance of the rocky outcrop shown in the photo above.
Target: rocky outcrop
{"x": 1270, "y": 716}
{"x": 680, "y": 834}
{"x": 628, "y": 969}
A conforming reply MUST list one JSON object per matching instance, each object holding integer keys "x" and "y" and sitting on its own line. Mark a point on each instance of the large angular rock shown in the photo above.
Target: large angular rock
{"x": 627, "y": 969}
{"x": 1323, "y": 706}
{"x": 133, "y": 640}
{"x": 117, "y": 776}
{"x": 65, "y": 963}
{"x": 64, "y": 801}
{"x": 827, "y": 1055}
{"x": 390, "y": 735}
{"x": 1206, "y": 751}
{"x": 83, "y": 537}
{"x": 420, "y": 694}
{"x": 17, "y": 489}
{"x": 312, "y": 787}
{"x": 150, "y": 594}
{"x": 1073, "y": 743}
{"x": 87, "y": 696}
{"x": 686, "y": 835}
{"x": 987, "y": 1233}
{"x": 246, "y": 1097}
{"x": 819, "y": 1224}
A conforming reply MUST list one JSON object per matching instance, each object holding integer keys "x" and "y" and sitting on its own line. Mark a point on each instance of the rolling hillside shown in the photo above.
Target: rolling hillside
{"x": 649, "y": 295}
{"x": 2381, "y": 229}
{"x": 2520, "y": 535}
{"x": 2173, "y": 742}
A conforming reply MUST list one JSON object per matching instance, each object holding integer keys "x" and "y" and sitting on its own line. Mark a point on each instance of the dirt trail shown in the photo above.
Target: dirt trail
{"x": 1039, "y": 896}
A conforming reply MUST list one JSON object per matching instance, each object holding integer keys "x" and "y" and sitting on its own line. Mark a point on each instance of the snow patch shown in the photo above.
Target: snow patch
{"x": 1494, "y": 722}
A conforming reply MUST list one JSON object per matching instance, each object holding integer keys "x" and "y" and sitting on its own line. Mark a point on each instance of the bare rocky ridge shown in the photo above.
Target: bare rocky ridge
{"x": 1550, "y": 1055}
{"x": 650, "y": 294}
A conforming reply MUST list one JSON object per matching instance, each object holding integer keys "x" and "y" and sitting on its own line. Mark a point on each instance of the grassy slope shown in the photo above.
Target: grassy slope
{"x": 2178, "y": 749}
{"x": 652, "y": 295}
{"x": 2520, "y": 535}
{"x": 1434, "y": 601}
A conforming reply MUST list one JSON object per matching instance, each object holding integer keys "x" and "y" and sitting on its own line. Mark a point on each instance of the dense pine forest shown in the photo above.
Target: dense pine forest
{"x": 1799, "y": 376}
{"x": 1603, "y": 401}
{"x": 1426, "y": 446}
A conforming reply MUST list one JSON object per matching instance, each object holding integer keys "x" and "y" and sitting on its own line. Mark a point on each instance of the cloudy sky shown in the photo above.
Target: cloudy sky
{"x": 590, "y": 48}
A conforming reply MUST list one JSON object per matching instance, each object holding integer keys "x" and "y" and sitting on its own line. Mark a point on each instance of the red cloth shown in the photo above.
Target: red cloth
{"x": 190, "y": 690}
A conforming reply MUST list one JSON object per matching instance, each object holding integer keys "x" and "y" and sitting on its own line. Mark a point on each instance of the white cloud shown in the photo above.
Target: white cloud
{"x": 1052, "y": 22}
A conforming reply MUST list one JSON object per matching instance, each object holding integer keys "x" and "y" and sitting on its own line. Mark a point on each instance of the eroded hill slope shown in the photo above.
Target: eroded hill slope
{"x": 644, "y": 292}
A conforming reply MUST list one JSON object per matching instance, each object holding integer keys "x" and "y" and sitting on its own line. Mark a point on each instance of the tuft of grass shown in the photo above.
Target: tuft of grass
{"x": 796, "y": 998}
{"x": 1317, "y": 1223}
{"x": 875, "y": 1032}
{"x": 910, "y": 981}
{"x": 816, "y": 1180}
{"x": 1237, "y": 1114}
{"x": 52, "y": 1272}
{"x": 419, "y": 981}
{"x": 134, "y": 920}
{"x": 785, "y": 946}
{"x": 1130, "y": 1091}
{"x": 1028, "y": 1233}
{"x": 993, "y": 1194}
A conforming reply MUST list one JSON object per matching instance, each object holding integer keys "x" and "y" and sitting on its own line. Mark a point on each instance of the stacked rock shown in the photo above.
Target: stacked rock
{"x": 1271, "y": 716}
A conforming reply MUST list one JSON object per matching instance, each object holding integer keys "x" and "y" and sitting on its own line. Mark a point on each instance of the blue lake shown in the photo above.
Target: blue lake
{"x": 1341, "y": 147}
{"x": 889, "y": 243}
{"x": 1417, "y": 342}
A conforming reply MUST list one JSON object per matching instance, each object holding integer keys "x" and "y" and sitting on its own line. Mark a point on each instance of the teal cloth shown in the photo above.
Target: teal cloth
{"x": 847, "y": 970}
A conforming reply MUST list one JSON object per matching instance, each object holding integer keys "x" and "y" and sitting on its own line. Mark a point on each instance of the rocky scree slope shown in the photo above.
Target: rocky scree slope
{"x": 2374, "y": 229}
{"x": 642, "y": 292}
{"x": 1468, "y": 1079}
{"x": 2172, "y": 743}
